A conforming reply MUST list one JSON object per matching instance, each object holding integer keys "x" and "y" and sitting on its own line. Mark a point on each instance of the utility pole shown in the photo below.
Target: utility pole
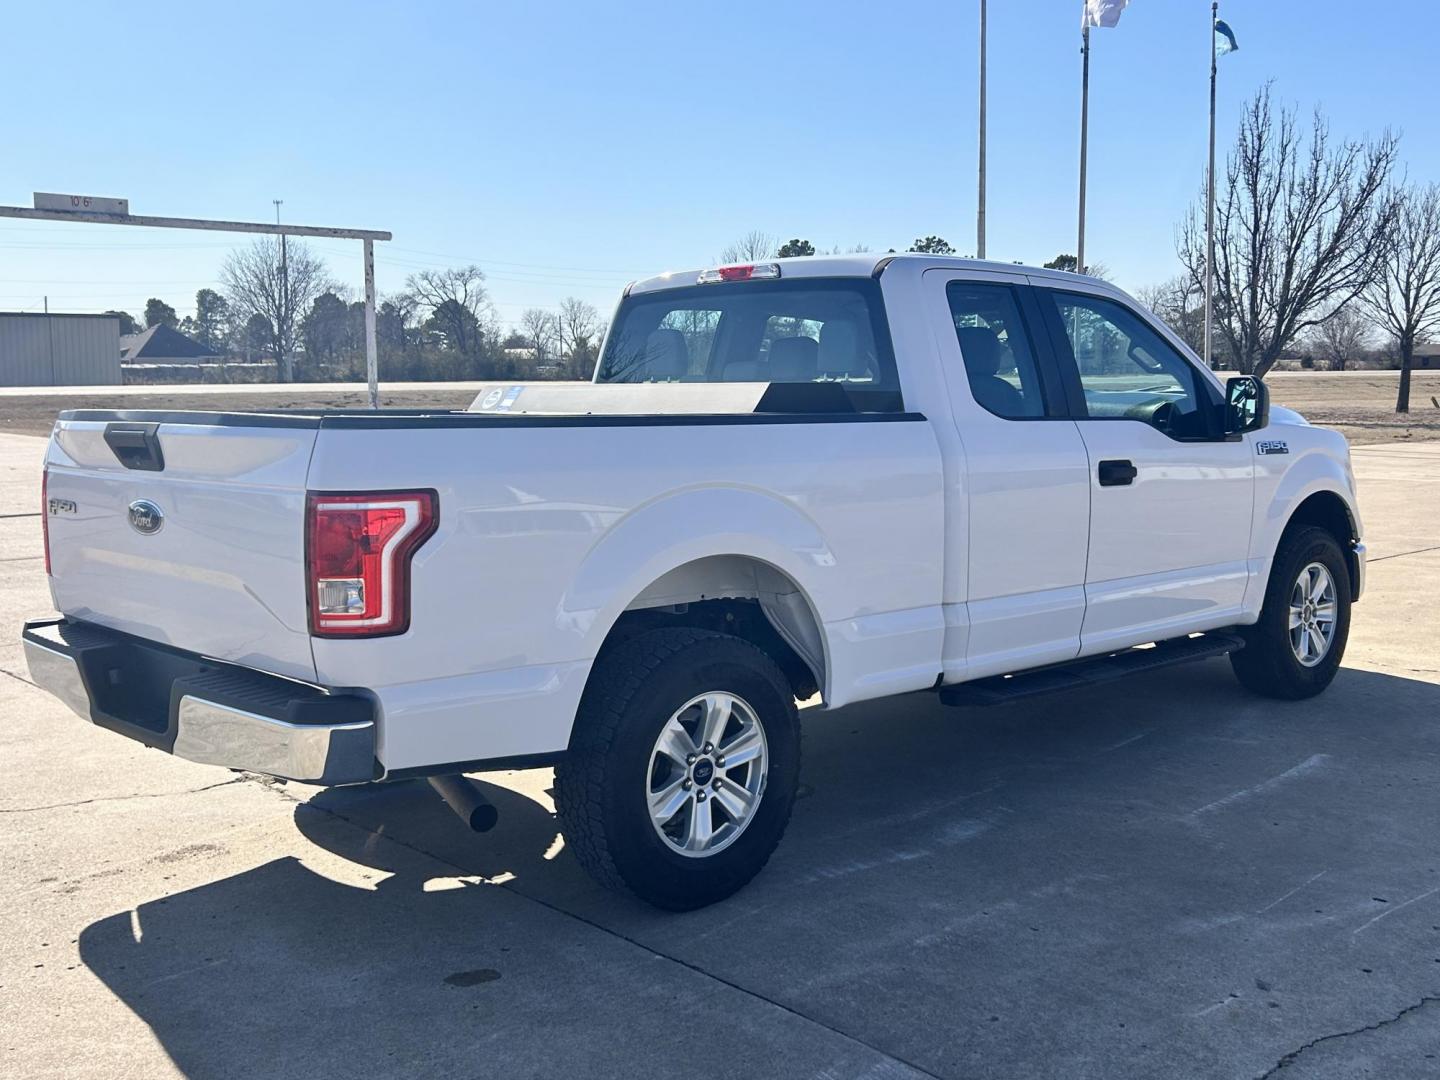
{"x": 50, "y": 333}
{"x": 1210, "y": 204}
{"x": 980, "y": 203}
{"x": 1084, "y": 142}
{"x": 283, "y": 308}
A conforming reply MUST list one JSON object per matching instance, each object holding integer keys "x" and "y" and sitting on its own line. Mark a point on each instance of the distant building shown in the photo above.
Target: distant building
{"x": 162, "y": 345}
{"x": 59, "y": 350}
{"x": 1425, "y": 358}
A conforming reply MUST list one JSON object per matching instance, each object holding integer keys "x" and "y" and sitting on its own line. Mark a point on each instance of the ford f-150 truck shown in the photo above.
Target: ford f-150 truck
{"x": 846, "y": 477}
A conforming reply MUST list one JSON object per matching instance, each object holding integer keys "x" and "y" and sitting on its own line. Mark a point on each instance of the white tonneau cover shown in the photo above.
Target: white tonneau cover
{"x": 618, "y": 399}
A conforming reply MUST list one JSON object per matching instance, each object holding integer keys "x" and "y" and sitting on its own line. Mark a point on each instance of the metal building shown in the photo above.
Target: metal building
{"x": 59, "y": 350}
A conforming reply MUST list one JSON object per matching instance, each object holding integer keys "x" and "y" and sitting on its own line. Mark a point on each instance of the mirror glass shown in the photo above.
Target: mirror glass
{"x": 1243, "y": 396}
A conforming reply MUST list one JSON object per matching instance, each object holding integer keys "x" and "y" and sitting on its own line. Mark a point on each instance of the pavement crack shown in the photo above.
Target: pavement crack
{"x": 463, "y": 872}
{"x": 120, "y": 798}
{"x": 1402, "y": 554}
{"x": 18, "y": 678}
{"x": 1294, "y": 1055}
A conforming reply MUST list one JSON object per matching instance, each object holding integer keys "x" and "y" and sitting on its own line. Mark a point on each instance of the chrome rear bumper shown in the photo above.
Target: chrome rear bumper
{"x": 203, "y": 710}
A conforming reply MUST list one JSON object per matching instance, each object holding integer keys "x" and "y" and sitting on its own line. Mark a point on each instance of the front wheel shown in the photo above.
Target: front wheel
{"x": 1295, "y": 649}
{"x": 683, "y": 768}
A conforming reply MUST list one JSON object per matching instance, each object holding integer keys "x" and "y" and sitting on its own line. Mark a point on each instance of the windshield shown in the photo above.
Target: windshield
{"x": 803, "y": 331}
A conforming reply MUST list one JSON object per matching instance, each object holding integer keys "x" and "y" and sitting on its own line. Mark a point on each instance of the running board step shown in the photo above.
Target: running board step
{"x": 999, "y": 689}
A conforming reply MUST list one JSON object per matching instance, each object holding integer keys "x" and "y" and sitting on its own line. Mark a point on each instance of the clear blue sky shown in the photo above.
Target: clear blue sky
{"x": 570, "y": 147}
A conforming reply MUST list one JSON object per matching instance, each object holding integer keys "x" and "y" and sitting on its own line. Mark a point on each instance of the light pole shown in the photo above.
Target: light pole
{"x": 980, "y": 202}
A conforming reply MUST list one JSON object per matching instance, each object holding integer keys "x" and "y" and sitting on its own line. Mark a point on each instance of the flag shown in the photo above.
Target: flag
{"x": 1224, "y": 38}
{"x": 1102, "y": 13}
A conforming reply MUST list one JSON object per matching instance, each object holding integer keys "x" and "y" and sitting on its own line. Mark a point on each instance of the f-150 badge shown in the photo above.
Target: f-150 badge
{"x": 1272, "y": 447}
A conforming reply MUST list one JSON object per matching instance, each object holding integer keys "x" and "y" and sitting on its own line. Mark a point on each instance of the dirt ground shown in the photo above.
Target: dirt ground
{"x": 1361, "y": 405}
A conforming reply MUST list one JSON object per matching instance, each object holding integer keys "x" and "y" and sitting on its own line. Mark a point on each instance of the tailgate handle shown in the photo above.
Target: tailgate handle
{"x": 136, "y": 446}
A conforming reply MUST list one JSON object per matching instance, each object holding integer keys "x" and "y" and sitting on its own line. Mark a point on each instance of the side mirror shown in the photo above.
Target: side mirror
{"x": 1247, "y": 405}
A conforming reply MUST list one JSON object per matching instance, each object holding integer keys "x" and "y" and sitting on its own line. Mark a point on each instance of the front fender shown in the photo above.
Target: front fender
{"x": 1315, "y": 461}
{"x": 1280, "y": 489}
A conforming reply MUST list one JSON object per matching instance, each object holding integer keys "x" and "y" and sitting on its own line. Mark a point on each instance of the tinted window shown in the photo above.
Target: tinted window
{"x": 1127, "y": 370}
{"x": 796, "y": 331}
{"x": 995, "y": 346}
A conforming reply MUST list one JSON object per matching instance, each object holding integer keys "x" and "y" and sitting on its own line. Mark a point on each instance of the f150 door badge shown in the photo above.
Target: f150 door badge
{"x": 1273, "y": 446}
{"x": 62, "y": 506}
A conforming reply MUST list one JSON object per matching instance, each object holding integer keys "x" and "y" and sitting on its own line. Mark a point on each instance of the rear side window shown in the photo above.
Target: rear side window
{"x": 803, "y": 331}
{"x": 995, "y": 346}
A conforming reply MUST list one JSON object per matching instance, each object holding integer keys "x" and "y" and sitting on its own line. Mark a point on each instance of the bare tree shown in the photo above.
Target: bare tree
{"x": 1180, "y": 304}
{"x": 1340, "y": 337}
{"x": 1404, "y": 298}
{"x": 1300, "y": 224}
{"x": 750, "y": 247}
{"x": 459, "y": 306}
{"x": 579, "y": 327}
{"x": 538, "y": 326}
{"x": 255, "y": 284}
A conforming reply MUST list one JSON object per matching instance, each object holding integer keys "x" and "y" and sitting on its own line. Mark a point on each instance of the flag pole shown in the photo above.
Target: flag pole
{"x": 1084, "y": 137}
{"x": 1210, "y": 203}
{"x": 980, "y": 204}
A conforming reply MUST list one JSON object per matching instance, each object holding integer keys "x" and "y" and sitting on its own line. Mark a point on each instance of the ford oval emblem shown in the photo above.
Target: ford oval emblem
{"x": 145, "y": 517}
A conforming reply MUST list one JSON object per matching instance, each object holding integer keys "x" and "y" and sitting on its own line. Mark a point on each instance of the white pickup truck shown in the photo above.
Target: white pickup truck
{"x": 857, "y": 477}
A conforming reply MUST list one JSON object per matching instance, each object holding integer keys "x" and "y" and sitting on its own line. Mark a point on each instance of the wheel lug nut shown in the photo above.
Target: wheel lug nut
{"x": 709, "y": 748}
{"x": 700, "y": 796}
{"x": 687, "y": 784}
{"x": 720, "y": 762}
{"x": 689, "y": 759}
{"x": 716, "y": 784}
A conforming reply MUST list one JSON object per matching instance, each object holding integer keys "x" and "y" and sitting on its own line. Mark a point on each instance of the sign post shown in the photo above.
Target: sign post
{"x": 50, "y": 206}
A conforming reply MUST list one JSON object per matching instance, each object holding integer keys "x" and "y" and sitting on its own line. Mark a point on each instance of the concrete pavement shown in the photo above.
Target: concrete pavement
{"x": 1161, "y": 878}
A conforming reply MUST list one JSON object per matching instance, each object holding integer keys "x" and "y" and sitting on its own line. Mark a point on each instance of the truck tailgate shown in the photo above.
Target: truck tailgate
{"x": 189, "y": 533}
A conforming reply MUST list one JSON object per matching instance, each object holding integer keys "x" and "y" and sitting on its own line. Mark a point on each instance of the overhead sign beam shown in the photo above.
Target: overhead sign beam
{"x": 96, "y": 210}
{"x": 98, "y": 218}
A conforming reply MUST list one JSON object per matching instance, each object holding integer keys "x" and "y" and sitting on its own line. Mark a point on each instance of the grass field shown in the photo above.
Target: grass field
{"x": 1360, "y": 404}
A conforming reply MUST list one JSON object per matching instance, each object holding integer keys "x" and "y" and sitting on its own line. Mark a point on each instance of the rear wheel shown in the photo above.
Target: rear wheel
{"x": 1295, "y": 649}
{"x": 683, "y": 768}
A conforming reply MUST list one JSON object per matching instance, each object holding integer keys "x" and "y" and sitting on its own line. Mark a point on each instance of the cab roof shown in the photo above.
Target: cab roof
{"x": 858, "y": 265}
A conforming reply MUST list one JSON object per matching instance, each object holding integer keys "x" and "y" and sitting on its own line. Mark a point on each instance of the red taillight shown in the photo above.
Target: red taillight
{"x": 358, "y": 551}
{"x": 749, "y": 272}
{"x": 45, "y": 514}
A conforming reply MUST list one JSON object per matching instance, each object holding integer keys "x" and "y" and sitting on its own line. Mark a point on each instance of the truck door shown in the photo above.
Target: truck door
{"x": 1019, "y": 515}
{"x": 1171, "y": 498}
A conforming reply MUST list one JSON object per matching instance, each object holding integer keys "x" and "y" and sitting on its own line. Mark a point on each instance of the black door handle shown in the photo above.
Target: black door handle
{"x": 1117, "y": 473}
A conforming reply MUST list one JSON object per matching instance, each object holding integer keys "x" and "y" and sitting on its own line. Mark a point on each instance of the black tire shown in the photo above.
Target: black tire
{"x": 1268, "y": 665}
{"x": 601, "y": 785}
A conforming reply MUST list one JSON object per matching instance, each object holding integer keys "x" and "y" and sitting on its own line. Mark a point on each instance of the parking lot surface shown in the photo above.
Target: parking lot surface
{"x": 1161, "y": 878}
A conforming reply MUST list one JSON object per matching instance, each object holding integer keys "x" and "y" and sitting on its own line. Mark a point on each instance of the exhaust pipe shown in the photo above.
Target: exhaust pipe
{"x": 464, "y": 796}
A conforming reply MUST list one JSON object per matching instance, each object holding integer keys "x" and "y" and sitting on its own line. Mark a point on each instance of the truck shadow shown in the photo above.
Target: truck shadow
{"x": 945, "y": 873}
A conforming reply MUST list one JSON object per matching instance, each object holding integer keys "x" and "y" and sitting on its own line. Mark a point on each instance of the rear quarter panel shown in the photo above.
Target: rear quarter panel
{"x": 546, "y": 534}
